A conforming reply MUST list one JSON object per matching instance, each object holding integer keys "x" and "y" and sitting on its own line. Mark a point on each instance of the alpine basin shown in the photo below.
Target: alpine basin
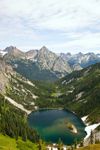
{"x": 52, "y": 125}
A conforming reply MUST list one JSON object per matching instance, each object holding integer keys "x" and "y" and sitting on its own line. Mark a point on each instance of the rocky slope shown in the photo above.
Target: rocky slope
{"x": 46, "y": 65}
{"x": 49, "y": 60}
{"x": 4, "y": 70}
{"x": 32, "y": 55}
{"x": 16, "y": 89}
{"x": 43, "y": 60}
{"x": 13, "y": 53}
{"x": 22, "y": 93}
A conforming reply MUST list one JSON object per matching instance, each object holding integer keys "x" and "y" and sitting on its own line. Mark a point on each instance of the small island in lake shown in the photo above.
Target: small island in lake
{"x": 71, "y": 127}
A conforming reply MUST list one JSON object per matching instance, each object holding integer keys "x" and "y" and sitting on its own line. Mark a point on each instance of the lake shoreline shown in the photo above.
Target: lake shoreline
{"x": 68, "y": 125}
{"x": 74, "y": 129}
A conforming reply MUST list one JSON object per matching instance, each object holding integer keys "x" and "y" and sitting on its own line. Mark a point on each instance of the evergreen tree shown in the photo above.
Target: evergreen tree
{"x": 75, "y": 143}
{"x": 41, "y": 145}
{"x": 60, "y": 145}
{"x": 91, "y": 137}
{"x": 14, "y": 123}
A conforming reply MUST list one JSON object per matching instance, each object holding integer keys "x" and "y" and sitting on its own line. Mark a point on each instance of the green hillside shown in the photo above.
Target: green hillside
{"x": 31, "y": 94}
{"x": 81, "y": 92}
{"x": 78, "y": 91}
{"x": 13, "y": 122}
{"x": 8, "y": 143}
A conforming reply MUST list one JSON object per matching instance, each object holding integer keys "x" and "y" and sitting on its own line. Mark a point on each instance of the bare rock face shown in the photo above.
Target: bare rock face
{"x": 44, "y": 59}
{"x": 77, "y": 67}
{"x": 3, "y": 82}
{"x": 61, "y": 66}
{"x": 2, "y": 65}
{"x": 5, "y": 72}
{"x": 31, "y": 55}
{"x": 49, "y": 60}
{"x": 3, "y": 79}
{"x": 13, "y": 52}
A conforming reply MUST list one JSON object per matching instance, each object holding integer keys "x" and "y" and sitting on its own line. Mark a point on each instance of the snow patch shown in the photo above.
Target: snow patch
{"x": 84, "y": 118}
{"x": 30, "y": 83}
{"x": 90, "y": 128}
{"x": 63, "y": 81}
{"x": 33, "y": 95}
{"x": 23, "y": 90}
{"x": 3, "y": 52}
{"x": 36, "y": 107}
{"x": 32, "y": 103}
{"x": 17, "y": 105}
{"x": 78, "y": 96}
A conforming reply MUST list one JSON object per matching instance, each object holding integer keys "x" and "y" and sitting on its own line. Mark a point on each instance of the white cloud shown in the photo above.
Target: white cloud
{"x": 81, "y": 42}
{"x": 75, "y": 20}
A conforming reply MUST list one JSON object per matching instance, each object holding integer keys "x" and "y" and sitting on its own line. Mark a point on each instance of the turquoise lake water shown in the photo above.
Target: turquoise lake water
{"x": 51, "y": 125}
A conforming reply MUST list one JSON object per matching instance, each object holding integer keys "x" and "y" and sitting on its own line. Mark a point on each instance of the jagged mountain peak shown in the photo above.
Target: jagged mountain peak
{"x": 13, "y": 49}
{"x": 44, "y": 48}
{"x": 46, "y": 60}
{"x": 69, "y": 54}
{"x": 90, "y": 53}
{"x": 45, "y": 51}
{"x": 80, "y": 53}
{"x": 81, "y": 59}
{"x": 43, "y": 59}
{"x": 13, "y": 52}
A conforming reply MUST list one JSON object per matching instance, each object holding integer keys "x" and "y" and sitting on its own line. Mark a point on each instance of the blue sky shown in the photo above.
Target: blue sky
{"x": 61, "y": 25}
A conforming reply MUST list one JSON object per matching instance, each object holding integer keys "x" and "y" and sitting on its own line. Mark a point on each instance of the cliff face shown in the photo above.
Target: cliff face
{"x": 44, "y": 59}
{"x": 13, "y": 53}
{"x": 5, "y": 71}
{"x": 49, "y": 60}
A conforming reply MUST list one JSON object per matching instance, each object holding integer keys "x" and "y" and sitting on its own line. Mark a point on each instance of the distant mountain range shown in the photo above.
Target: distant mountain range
{"x": 80, "y": 59}
{"x": 46, "y": 65}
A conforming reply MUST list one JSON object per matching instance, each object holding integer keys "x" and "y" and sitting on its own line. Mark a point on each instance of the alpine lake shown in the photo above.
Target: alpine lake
{"x": 55, "y": 124}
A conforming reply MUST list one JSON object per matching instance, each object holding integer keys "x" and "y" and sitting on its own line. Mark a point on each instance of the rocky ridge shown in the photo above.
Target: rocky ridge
{"x": 44, "y": 59}
{"x": 80, "y": 59}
